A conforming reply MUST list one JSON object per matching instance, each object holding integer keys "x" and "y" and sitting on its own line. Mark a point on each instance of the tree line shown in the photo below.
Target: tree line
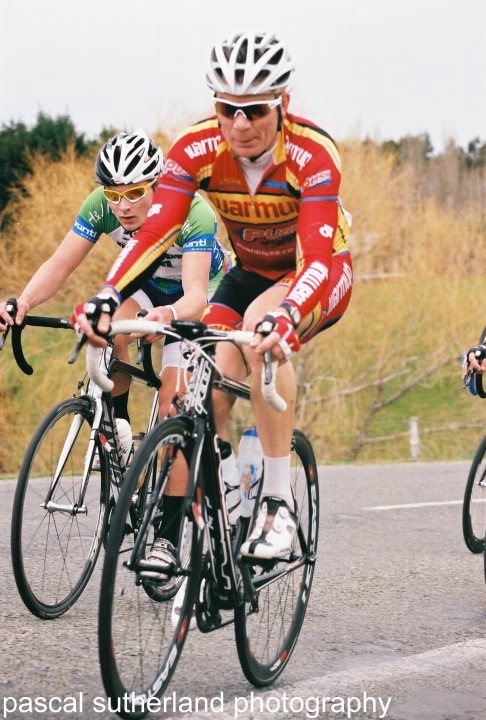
{"x": 52, "y": 136}
{"x": 49, "y": 136}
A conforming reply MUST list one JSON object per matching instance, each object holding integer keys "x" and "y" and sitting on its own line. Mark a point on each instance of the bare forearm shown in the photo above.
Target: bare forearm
{"x": 45, "y": 282}
{"x": 191, "y": 305}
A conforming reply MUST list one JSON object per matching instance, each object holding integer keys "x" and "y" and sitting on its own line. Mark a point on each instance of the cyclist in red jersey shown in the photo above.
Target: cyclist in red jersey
{"x": 274, "y": 178}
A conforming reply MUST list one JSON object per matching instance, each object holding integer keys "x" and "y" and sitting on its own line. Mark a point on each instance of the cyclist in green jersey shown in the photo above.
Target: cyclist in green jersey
{"x": 127, "y": 168}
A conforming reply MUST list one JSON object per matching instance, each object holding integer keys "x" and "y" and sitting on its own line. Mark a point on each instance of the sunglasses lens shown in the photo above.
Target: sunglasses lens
{"x": 257, "y": 111}
{"x": 132, "y": 195}
{"x": 112, "y": 196}
{"x": 227, "y": 111}
{"x": 251, "y": 112}
{"x": 135, "y": 193}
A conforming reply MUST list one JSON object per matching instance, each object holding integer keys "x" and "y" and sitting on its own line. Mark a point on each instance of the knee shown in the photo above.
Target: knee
{"x": 121, "y": 343}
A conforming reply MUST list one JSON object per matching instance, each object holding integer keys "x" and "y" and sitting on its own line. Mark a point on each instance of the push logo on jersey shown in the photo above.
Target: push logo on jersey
{"x": 173, "y": 168}
{"x": 272, "y": 233}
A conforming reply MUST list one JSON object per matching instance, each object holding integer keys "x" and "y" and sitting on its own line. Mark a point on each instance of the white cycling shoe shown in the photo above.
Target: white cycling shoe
{"x": 162, "y": 552}
{"x": 274, "y": 531}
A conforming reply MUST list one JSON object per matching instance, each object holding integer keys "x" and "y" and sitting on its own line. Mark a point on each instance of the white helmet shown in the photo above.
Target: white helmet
{"x": 250, "y": 63}
{"x": 128, "y": 158}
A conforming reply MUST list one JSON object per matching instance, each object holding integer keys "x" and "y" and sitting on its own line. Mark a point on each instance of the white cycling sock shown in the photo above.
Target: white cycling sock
{"x": 276, "y": 479}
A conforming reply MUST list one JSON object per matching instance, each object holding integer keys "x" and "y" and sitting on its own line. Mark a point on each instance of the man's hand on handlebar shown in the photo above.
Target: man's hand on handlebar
{"x": 92, "y": 319}
{"x": 276, "y": 333}
{"x": 162, "y": 314}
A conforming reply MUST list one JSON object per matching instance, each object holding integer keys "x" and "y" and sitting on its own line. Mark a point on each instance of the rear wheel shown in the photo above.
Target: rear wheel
{"x": 56, "y": 534}
{"x": 143, "y": 624}
{"x": 474, "y": 505}
{"x": 267, "y": 628}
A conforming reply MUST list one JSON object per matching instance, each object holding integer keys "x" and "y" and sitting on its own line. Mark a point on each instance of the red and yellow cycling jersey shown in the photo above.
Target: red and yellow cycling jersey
{"x": 292, "y": 222}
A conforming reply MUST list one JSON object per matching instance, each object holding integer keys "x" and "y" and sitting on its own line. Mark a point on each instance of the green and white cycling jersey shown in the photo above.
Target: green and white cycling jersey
{"x": 198, "y": 234}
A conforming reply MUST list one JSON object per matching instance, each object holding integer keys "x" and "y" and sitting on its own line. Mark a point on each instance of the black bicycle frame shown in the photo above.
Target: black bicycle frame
{"x": 205, "y": 468}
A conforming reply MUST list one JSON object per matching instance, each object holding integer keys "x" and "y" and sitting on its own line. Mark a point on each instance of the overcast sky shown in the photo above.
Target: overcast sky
{"x": 367, "y": 68}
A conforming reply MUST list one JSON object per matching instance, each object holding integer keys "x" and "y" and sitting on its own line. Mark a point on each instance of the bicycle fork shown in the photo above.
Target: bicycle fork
{"x": 78, "y": 507}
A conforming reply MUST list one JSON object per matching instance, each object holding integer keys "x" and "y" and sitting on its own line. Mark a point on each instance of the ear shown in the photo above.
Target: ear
{"x": 285, "y": 102}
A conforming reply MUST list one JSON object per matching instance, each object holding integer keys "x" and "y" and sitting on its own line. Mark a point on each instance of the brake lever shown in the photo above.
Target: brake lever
{"x": 140, "y": 351}
{"x": 11, "y": 308}
{"x": 77, "y": 349}
{"x": 3, "y": 337}
{"x": 267, "y": 367}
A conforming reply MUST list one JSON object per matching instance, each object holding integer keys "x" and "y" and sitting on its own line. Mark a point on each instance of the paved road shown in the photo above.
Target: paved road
{"x": 396, "y": 626}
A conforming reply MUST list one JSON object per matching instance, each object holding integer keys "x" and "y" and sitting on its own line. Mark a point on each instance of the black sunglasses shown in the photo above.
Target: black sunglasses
{"x": 251, "y": 111}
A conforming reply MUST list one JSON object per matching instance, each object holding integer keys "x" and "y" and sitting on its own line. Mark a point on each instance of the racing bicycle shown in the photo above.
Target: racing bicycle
{"x": 143, "y": 623}
{"x": 68, "y": 483}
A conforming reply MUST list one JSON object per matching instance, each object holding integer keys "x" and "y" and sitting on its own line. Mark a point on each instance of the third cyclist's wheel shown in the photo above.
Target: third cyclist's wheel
{"x": 474, "y": 506}
{"x": 267, "y": 630}
{"x": 143, "y": 621}
{"x": 57, "y": 530}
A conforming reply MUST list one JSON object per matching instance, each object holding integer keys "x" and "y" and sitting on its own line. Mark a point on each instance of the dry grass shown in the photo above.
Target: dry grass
{"x": 41, "y": 218}
{"x": 417, "y": 303}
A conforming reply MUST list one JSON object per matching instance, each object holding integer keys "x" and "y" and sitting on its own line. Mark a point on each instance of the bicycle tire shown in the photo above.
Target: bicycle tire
{"x": 474, "y": 505}
{"x": 266, "y": 635}
{"x": 54, "y": 551}
{"x": 141, "y": 635}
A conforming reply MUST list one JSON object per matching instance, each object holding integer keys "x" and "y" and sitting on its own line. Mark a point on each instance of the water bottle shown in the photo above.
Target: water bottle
{"x": 125, "y": 438}
{"x": 250, "y": 467}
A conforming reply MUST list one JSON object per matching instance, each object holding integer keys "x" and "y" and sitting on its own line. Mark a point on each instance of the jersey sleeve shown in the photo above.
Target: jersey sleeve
{"x": 318, "y": 227}
{"x": 89, "y": 222}
{"x": 199, "y": 230}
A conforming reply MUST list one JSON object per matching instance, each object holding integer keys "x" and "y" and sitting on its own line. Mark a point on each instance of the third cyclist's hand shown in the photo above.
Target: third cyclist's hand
{"x": 474, "y": 360}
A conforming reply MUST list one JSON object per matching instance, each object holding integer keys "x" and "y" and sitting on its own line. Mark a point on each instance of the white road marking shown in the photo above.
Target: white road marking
{"x": 440, "y": 661}
{"x": 420, "y": 505}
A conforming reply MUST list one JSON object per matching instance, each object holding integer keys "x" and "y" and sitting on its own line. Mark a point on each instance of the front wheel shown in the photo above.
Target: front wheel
{"x": 57, "y": 528}
{"x": 267, "y": 628}
{"x": 143, "y": 622}
{"x": 474, "y": 505}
